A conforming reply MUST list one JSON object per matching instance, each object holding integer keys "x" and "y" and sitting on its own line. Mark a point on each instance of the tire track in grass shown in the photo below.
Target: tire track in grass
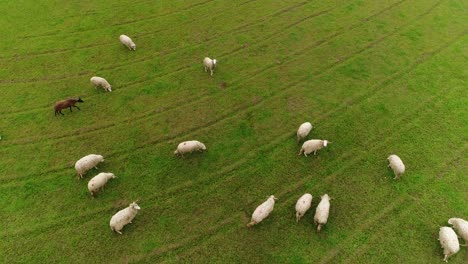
{"x": 46, "y": 79}
{"x": 237, "y": 111}
{"x": 194, "y": 5}
{"x": 168, "y": 196}
{"x": 317, "y": 44}
{"x": 414, "y": 193}
{"x": 151, "y": 34}
{"x": 175, "y": 106}
{"x": 368, "y": 223}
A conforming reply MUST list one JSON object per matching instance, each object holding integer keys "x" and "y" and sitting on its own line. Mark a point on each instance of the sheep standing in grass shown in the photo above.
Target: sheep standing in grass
{"x": 209, "y": 64}
{"x": 397, "y": 166}
{"x": 99, "y": 81}
{"x": 86, "y": 163}
{"x": 262, "y": 211}
{"x": 124, "y": 217}
{"x": 98, "y": 182}
{"x": 303, "y": 205}
{"x": 449, "y": 242}
{"x": 189, "y": 147}
{"x": 322, "y": 211}
{"x": 127, "y": 41}
{"x": 303, "y": 131}
{"x": 312, "y": 146}
{"x": 461, "y": 227}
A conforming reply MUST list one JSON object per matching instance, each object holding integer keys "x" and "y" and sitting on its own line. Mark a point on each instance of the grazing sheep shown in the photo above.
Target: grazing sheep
{"x": 99, "y": 81}
{"x": 68, "y": 103}
{"x": 209, "y": 64}
{"x": 449, "y": 242}
{"x": 124, "y": 217}
{"x": 303, "y": 131}
{"x": 397, "y": 166}
{"x": 189, "y": 147}
{"x": 303, "y": 205}
{"x": 86, "y": 163}
{"x": 322, "y": 211}
{"x": 461, "y": 227}
{"x": 312, "y": 146}
{"x": 262, "y": 211}
{"x": 127, "y": 41}
{"x": 98, "y": 182}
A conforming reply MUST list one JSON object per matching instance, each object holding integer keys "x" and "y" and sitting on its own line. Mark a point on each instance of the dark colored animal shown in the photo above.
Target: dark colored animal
{"x": 60, "y": 105}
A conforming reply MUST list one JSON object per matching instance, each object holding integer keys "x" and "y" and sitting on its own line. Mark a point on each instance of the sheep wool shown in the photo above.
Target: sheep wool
{"x": 124, "y": 217}
{"x": 209, "y": 64}
{"x": 97, "y": 182}
{"x": 262, "y": 211}
{"x": 189, "y": 147}
{"x": 101, "y": 82}
{"x": 461, "y": 227}
{"x": 86, "y": 163}
{"x": 312, "y": 146}
{"x": 127, "y": 41}
{"x": 397, "y": 166}
{"x": 448, "y": 241}
{"x": 303, "y": 131}
{"x": 322, "y": 211}
{"x": 303, "y": 205}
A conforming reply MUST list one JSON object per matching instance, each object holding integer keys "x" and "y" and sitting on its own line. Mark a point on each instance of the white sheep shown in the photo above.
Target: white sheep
{"x": 86, "y": 163}
{"x": 322, "y": 211}
{"x": 99, "y": 81}
{"x": 449, "y": 242}
{"x": 397, "y": 166}
{"x": 124, "y": 217}
{"x": 461, "y": 227}
{"x": 209, "y": 64}
{"x": 303, "y": 131}
{"x": 303, "y": 205}
{"x": 127, "y": 41}
{"x": 312, "y": 146}
{"x": 189, "y": 147}
{"x": 262, "y": 211}
{"x": 98, "y": 182}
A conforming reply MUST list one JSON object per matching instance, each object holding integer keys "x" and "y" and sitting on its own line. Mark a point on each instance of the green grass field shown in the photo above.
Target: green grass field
{"x": 373, "y": 77}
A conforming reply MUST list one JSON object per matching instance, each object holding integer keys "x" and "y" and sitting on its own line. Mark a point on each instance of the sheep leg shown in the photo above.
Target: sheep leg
{"x": 206, "y": 69}
{"x": 315, "y": 152}
{"x": 70, "y": 109}
{"x": 211, "y": 72}
{"x": 118, "y": 232}
{"x": 77, "y": 107}
{"x": 445, "y": 258}
{"x": 96, "y": 167}
{"x": 61, "y": 112}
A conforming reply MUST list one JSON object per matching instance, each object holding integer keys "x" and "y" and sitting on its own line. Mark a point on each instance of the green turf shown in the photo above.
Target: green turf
{"x": 373, "y": 77}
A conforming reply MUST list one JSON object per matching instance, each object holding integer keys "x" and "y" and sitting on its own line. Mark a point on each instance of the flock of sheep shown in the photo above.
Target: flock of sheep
{"x": 447, "y": 236}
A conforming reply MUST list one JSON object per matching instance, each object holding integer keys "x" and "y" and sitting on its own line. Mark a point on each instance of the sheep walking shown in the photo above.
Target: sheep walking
{"x": 124, "y": 217}
{"x": 209, "y": 64}
{"x": 303, "y": 205}
{"x": 68, "y": 103}
{"x": 189, "y": 147}
{"x": 303, "y": 131}
{"x": 86, "y": 163}
{"x": 322, "y": 212}
{"x": 448, "y": 241}
{"x": 312, "y": 146}
{"x": 127, "y": 41}
{"x": 397, "y": 166}
{"x": 262, "y": 211}
{"x": 101, "y": 82}
{"x": 461, "y": 227}
{"x": 97, "y": 182}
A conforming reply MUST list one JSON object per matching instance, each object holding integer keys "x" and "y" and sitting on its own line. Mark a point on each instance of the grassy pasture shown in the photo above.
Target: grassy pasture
{"x": 373, "y": 77}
